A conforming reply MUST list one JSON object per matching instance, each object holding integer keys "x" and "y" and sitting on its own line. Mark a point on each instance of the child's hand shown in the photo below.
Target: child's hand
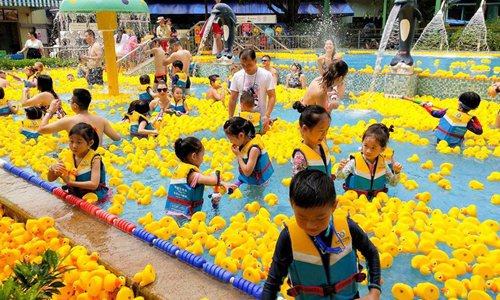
{"x": 65, "y": 178}
{"x": 397, "y": 167}
{"x": 236, "y": 150}
{"x": 228, "y": 186}
{"x": 342, "y": 164}
{"x": 178, "y": 113}
{"x": 427, "y": 104}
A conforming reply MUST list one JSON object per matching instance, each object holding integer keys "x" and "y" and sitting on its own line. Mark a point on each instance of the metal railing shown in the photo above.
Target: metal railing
{"x": 66, "y": 52}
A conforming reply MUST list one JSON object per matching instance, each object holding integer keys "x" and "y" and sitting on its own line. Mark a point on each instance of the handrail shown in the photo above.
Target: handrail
{"x": 268, "y": 36}
{"x": 139, "y": 47}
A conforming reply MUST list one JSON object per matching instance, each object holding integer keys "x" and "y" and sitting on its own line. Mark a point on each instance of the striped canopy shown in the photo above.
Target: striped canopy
{"x": 31, "y": 3}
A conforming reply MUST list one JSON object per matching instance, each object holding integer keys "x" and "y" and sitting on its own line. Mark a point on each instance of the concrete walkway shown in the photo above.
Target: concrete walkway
{"x": 119, "y": 252}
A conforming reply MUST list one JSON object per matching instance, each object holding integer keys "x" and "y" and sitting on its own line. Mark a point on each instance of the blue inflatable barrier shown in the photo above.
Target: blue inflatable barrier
{"x": 248, "y": 287}
{"x": 16, "y": 171}
{"x": 7, "y": 166}
{"x": 25, "y": 175}
{"x": 192, "y": 259}
{"x": 165, "y": 246}
{"x": 36, "y": 180}
{"x": 218, "y": 272}
{"x": 144, "y": 235}
{"x": 47, "y": 186}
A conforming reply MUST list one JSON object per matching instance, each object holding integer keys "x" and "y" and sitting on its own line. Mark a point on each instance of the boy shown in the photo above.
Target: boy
{"x": 179, "y": 78}
{"x": 247, "y": 103}
{"x": 454, "y": 123}
{"x": 145, "y": 91}
{"x": 215, "y": 86}
{"x": 70, "y": 77}
{"x": 318, "y": 249}
{"x": 6, "y": 108}
{"x": 39, "y": 69}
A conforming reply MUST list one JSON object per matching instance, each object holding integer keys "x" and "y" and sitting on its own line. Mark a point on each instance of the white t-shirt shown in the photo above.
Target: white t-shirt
{"x": 261, "y": 81}
{"x": 37, "y": 44}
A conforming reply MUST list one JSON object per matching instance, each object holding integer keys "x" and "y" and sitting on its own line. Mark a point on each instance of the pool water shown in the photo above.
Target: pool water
{"x": 465, "y": 169}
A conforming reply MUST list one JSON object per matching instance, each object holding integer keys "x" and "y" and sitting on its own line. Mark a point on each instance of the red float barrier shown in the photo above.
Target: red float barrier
{"x": 60, "y": 193}
{"x": 105, "y": 216}
{"x": 90, "y": 208}
{"x": 74, "y": 200}
{"x": 124, "y": 225}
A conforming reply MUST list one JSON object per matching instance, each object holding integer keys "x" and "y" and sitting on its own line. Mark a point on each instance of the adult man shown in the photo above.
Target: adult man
{"x": 266, "y": 63}
{"x": 182, "y": 55}
{"x": 93, "y": 59}
{"x": 163, "y": 31}
{"x": 159, "y": 55}
{"x": 256, "y": 80}
{"x": 80, "y": 104}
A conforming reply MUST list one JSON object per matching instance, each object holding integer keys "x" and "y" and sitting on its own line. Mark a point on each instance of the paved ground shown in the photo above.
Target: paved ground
{"x": 119, "y": 252}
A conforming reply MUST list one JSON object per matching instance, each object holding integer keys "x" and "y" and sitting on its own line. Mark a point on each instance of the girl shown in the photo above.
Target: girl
{"x": 87, "y": 173}
{"x": 145, "y": 90}
{"x": 367, "y": 172}
{"x": 255, "y": 164}
{"x": 313, "y": 153}
{"x": 325, "y": 60}
{"x": 185, "y": 193}
{"x": 32, "y": 123}
{"x": 6, "y": 108}
{"x": 327, "y": 89}
{"x": 179, "y": 106}
{"x": 44, "y": 98}
{"x": 139, "y": 122}
{"x": 296, "y": 79}
{"x": 30, "y": 81}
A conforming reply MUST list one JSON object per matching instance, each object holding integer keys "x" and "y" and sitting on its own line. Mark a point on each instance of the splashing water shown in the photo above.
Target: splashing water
{"x": 208, "y": 27}
{"x": 434, "y": 36}
{"x": 388, "y": 36}
{"x": 474, "y": 35}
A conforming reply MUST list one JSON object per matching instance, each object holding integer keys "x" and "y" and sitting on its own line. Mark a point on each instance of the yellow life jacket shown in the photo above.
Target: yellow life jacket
{"x": 314, "y": 160}
{"x": 254, "y": 118}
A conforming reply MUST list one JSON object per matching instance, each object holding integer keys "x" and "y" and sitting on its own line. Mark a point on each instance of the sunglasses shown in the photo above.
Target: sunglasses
{"x": 264, "y": 60}
{"x": 163, "y": 90}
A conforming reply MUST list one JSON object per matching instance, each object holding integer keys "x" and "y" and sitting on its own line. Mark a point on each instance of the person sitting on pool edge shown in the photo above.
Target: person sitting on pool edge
{"x": 454, "y": 123}
{"x": 216, "y": 86}
{"x": 318, "y": 249}
{"x": 79, "y": 102}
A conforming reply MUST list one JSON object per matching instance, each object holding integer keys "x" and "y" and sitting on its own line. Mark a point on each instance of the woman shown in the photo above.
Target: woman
{"x": 296, "y": 79}
{"x": 326, "y": 59}
{"x": 44, "y": 98}
{"x": 162, "y": 104}
{"x": 34, "y": 47}
{"x": 121, "y": 39}
{"x": 322, "y": 90}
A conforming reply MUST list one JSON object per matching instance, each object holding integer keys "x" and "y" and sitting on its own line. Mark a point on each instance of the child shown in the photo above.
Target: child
{"x": 185, "y": 193}
{"x": 32, "y": 123}
{"x": 367, "y": 172}
{"x": 130, "y": 111}
{"x": 313, "y": 153}
{"x": 255, "y": 164}
{"x": 179, "y": 78}
{"x": 247, "y": 103}
{"x": 82, "y": 69}
{"x": 30, "y": 81}
{"x": 39, "y": 69}
{"x": 454, "y": 123}
{"x": 318, "y": 248}
{"x": 139, "y": 122}
{"x": 6, "y": 108}
{"x": 70, "y": 77}
{"x": 145, "y": 90}
{"x": 87, "y": 174}
{"x": 215, "y": 86}
{"x": 179, "y": 105}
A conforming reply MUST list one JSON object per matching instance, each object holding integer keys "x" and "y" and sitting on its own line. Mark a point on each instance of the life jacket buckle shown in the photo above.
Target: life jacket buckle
{"x": 329, "y": 290}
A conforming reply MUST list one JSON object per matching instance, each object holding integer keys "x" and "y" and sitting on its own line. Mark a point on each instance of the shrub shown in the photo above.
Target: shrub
{"x": 8, "y": 64}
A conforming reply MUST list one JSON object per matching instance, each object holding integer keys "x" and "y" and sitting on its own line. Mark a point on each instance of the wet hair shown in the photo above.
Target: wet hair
{"x": 82, "y": 98}
{"x": 380, "y": 132}
{"x": 469, "y": 101}
{"x": 312, "y": 188}
{"x": 2, "y": 93}
{"x": 213, "y": 78}
{"x": 178, "y": 64}
{"x": 267, "y": 56}
{"x": 298, "y": 66}
{"x": 45, "y": 84}
{"x": 142, "y": 107}
{"x": 310, "y": 115}
{"x": 87, "y": 133}
{"x": 90, "y": 32}
{"x": 33, "y": 112}
{"x": 131, "y": 107}
{"x": 247, "y": 99}
{"x": 38, "y": 64}
{"x": 334, "y": 48}
{"x": 184, "y": 147}
{"x": 145, "y": 79}
{"x": 236, "y": 125}
{"x": 336, "y": 69}
{"x": 175, "y": 87}
{"x": 248, "y": 54}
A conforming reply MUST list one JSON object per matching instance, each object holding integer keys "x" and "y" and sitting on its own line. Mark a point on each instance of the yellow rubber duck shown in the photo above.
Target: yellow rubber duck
{"x": 424, "y": 197}
{"x": 217, "y": 222}
{"x": 434, "y": 177}
{"x": 146, "y": 276}
{"x": 476, "y": 185}
{"x": 411, "y": 185}
{"x": 286, "y": 181}
{"x": 271, "y": 199}
{"x": 146, "y": 219}
{"x": 116, "y": 209}
{"x": 454, "y": 288}
{"x": 252, "y": 207}
{"x": 427, "y": 291}
{"x": 125, "y": 293}
{"x": 478, "y": 295}
{"x": 252, "y": 275}
{"x": 160, "y": 192}
{"x": 414, "y": 158}
{"x": 494, "y": 176}
{"x": 115, "y": 181}
{"x": 444, "y": 184}
{"x": 429, "y": 165}
{"x": 386, "y": 260}
{"x": 90, "y": 197}
{"x": 401, "y": 291}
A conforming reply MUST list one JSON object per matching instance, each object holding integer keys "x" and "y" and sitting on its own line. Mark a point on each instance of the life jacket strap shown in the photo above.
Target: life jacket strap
{"x": 325, "y": 290}
{"x": 366, "y": 193}
{"x": 450, "y": 133}
{"x": 191, "y": 204}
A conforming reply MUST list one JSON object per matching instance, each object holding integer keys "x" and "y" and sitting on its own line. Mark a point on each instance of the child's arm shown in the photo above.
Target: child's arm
{"x": 195, "y": 178}
{"x": 247, "y": 168}
{"x": 13, "y": 109}
{"x": 345, "y": 168}
{"x": 151, "y": 93}
{"x": 95, "y": 178}
{"x": 362, "y": 243}
{"x": 393, "y": 178}
{"x": 186, "y": 108}
{"x": 282, "y": 258}
{"x": 142, "y": 129}
{"x": 55, "y": 170}
{"x": 299, "y": 163}
{"x": 434, "y": 112}
{"x": 475, "y": 126}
